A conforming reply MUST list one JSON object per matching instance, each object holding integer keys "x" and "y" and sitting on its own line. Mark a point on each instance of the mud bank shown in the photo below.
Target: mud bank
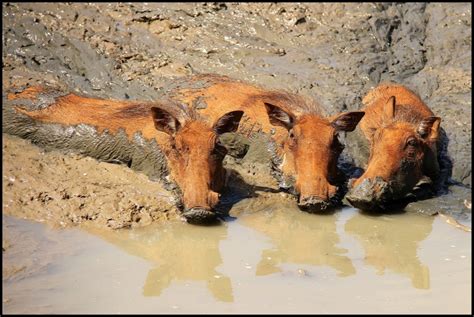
{"x": 66, "y": 190}
{"x": 332, "y": 52}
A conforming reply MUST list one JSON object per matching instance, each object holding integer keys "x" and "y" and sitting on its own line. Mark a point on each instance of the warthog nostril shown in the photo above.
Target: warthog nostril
{"x": 199, "y": 215}
{"x": 369, "y": 195}
{"x": 313, "y": 204}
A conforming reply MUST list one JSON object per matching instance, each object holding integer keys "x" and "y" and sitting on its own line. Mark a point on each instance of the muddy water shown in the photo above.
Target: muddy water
{"x": 269, "y": 259}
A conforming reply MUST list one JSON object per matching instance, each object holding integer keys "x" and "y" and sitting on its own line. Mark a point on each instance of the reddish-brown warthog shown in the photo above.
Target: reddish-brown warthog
{"x": 188, "y": 139}
{"x": 305, "y": 143}
{"x": 403, "y": 135}
{"x": 307, "y": 155}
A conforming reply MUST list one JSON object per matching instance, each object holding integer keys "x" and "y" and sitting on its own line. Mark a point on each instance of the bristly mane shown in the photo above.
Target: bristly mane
{"x": 194, "y": 82}
{"x": 407, "y": 113}
{"x": 289, "y": 102}
{"x": 177, "y": 109}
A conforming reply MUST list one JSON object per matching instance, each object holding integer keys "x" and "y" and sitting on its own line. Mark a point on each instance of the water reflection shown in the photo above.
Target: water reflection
{"x": 391, "y": 243}
{"x": 182, "y": 253}
{"x": 299, "y": 238}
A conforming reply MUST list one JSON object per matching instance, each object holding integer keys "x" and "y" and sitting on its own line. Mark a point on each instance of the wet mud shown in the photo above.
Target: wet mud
{"x": 69, "y": 189}
{"x": 334, "y": 53}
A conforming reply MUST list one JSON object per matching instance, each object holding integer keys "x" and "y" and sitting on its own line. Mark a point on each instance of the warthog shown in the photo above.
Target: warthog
{"x": 188, "y": 140}
{"x": 403, "y": 134}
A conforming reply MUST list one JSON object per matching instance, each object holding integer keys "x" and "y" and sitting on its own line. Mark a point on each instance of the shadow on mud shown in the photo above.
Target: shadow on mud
{"x": 445, "y": 165}
{"x": 237, "y": 190}
{"x": 375, "y": 213}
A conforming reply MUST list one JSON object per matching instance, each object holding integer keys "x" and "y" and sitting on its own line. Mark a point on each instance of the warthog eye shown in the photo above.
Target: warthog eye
{"x": 291, "y": 134}
{"x": 293, "y": 141}
{"x": 337, "y": 145}
{"x": 411, "y": 148}
{"x": 412, "y": 142}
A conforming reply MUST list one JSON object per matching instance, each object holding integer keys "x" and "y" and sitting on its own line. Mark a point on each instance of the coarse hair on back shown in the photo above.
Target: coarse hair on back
{"x": 289, "y": 102}
{"x": 181, "y": 111}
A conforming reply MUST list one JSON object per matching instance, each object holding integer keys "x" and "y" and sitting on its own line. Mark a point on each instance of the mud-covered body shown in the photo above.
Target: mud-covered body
{"x": 25, "y": 114}
{"x": 130, "y": 132}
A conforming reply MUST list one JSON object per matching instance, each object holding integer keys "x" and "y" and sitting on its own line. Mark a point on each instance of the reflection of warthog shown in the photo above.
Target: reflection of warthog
{"x": 403, "y": 134}
{"x": 392, "y": 243}
{"x": 181, "y": 253}
{"x": 300, "y": 239}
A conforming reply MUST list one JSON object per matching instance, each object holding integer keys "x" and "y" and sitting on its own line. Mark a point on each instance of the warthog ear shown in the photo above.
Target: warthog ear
{"x": 279, "y": 117}
{"x": 165, "y": 121}
{"x": 429, "y": 127}
{"x": 346, "y": 121}
{"x": 228, "y": 122}
{"x": 389, "y": 110}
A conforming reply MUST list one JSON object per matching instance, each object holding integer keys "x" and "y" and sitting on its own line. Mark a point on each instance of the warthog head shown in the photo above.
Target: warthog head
{"x": 308, "y": 155}
{"x": 403, "y": 150}
{"x": 195, "y": 158}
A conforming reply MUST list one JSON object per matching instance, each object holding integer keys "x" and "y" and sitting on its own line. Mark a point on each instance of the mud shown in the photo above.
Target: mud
{"x": 67, "y": 190}
{"x": 266, "y": 256}
{"x": 334, "y": 53}
{"x": 137, "y": 153}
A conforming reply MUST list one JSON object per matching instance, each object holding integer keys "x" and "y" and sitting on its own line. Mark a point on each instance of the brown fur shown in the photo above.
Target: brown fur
{"x": 103, "y": 114}
{"x": 391, "y": 134}
{"x": 312, "y": 164}
{"x": 194, "y": 142}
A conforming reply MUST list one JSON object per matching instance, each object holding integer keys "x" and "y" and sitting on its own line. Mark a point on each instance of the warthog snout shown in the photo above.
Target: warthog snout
{"x": 370, "y": 195}
{"x": 313, "y": 204}
{"x": 198, "y": 215}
